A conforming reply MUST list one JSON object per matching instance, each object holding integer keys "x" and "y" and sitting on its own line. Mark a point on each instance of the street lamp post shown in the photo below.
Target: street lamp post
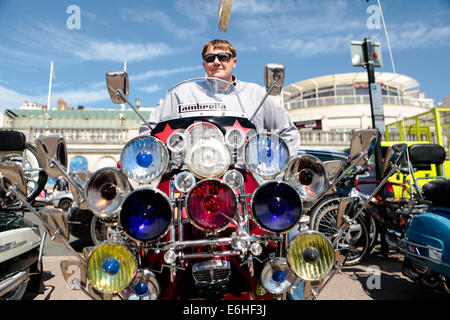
{"x": 368, "y": 54}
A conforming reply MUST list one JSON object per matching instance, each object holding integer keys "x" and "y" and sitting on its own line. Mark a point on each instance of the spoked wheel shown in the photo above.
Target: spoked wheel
{"x": 356, "y": 239}
{"x": 35, "y": 176}
{"x": 102, "y": 231}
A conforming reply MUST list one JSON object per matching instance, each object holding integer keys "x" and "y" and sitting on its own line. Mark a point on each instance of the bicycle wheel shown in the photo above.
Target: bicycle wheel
{"x": 356, "y": 239}
{"x": 34, "y": 174}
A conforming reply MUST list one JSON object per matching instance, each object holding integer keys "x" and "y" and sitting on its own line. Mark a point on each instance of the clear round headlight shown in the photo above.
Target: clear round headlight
{"x": 207, "y": 156}
{"x": 144, "y": 159}
{"x": 235, "y": 138}
{"x": 308, "y": 174}
{"x": 234, "y": 179}
{"x": 144, "y": 287}
{"x": 310, "y": 255}
{"x": 105, "y": 191}
{"x": 266, "y": 155}
{"x": 111, "y": 267}
{"x": 184, "y": 181}
{"x": 276, "y": 277}
{"x": 177, "y": 142}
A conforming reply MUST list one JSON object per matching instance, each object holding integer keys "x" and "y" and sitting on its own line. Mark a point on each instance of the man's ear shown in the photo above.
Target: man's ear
{"x": 235, "y": 62}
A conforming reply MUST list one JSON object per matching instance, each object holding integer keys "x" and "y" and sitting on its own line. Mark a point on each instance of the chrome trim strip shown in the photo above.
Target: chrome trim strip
{"x": 12, "y": 282}
{"x": 418, "y": 255}
{"x": 11, "y": 245}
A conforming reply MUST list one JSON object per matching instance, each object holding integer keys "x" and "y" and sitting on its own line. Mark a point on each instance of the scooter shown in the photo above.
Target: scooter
{"x": 21, "y": 243}
{"x": 426, "y": 244}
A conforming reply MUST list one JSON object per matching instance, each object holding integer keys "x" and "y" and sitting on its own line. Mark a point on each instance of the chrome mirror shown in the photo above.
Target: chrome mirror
{"x": 80, "y": 178}
{"x": 274, "y": 78}
{"x": 52, "y": 154}
{"x": 11, "y": 175}
{"x": 57, "y": 221}
{"x": 362, "y": 141}
{"x": 334, "y": 168}
{"x": 117, "y": 80}
{"x": 347, "y": 207}
{"x": 394, "y": 156}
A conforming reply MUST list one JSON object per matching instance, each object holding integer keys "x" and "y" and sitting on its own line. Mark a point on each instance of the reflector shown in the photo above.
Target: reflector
{"x": 111, "y": 267}
{"x": 310, "y": 255}
{"x": 146, "y": 214}
{"x": 276, "y": 206}
{"x": 308, "y": 174}
{"x": 266, "y": 155}
{"x": 211, "y": 204}
{"x": 105, "y": 191}
{"x": 144, "y": 159}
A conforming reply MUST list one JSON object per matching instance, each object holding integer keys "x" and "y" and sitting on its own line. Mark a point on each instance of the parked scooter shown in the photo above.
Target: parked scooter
{"x": 21, "y": 243}
{"x": 426, "y": 243}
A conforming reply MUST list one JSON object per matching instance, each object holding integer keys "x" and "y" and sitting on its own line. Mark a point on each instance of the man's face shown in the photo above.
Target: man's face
{"x": 219, "y": 69}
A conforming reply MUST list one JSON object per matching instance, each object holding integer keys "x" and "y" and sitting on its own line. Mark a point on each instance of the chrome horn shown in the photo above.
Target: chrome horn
{"x": 105, "y": 191}
{"x": 308, "y": 174}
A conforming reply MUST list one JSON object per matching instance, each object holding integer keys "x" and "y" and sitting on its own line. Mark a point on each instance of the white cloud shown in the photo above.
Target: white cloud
{"x": 163, "y": 72}
{"x": 12, "y": 99}
{"x": 113, "y": 51}
{"x": 47, "y": 38}
{"x": 419, "y": 35}
{"x": 164, "y": 21}
{"x": 150, "y": 89}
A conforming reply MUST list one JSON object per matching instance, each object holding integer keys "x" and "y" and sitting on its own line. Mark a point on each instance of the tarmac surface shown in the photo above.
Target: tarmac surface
{"x": 376, "y": 278}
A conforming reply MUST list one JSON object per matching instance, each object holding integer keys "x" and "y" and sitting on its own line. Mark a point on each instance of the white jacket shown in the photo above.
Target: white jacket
{"x": 271, "y": 117}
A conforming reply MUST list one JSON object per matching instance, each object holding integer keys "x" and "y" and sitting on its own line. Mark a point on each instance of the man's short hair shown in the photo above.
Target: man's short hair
{"x": 219, "y": 44}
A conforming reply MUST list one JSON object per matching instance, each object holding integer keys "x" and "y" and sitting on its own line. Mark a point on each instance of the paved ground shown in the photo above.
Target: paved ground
{"x": 377, "y": 278}
{"x": 361, "y": 282}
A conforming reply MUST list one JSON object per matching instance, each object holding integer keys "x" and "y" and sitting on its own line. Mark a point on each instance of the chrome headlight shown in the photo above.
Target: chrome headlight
{"x": 211, "y": 204}
{"x": 105, "y": 190}
{"x": 146, "y": 214}
{"x": 276, "y": 206}
{"x": 310, "y": 255}
{"x": 144, "y": 287}
{"x": 308, "y": 174}
{"x": 266, "y": 155}
{"x": 144, "y": 159}
{"x": 276, "y": 277}
{"x": 184, "y": 181}
{"x": 111, "y": 267}
{"x": 207, "y": 155}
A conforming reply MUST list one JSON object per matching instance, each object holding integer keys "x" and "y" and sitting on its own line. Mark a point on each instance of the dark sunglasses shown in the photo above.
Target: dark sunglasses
{"x": 223, "y": 56}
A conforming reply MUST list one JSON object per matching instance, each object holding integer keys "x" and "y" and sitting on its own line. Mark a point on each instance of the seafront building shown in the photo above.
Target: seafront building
{"x": 326, "y": 109}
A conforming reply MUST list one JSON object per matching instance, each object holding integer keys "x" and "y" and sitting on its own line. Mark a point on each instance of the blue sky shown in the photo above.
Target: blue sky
{"x": 162, "y": 42}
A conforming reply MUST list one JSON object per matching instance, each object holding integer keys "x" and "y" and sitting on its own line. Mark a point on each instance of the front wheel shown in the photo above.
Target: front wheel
{"x": 356, "y": 239}
{"x": 18, "y": 292}
{"x": 65, "y": 204}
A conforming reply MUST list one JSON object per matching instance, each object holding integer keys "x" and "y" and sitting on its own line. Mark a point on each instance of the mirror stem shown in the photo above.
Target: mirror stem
{"x": 334, "y": 183}
{"x": 272, "y": 86}
{"x": 119, "y": 92}
{"x": 45, "y": 224}
{"x": 378, "y": 188}
{"x": 71, "y": 181}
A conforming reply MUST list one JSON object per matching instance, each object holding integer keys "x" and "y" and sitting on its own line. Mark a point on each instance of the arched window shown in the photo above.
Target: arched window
{"x": 78, "y": 163}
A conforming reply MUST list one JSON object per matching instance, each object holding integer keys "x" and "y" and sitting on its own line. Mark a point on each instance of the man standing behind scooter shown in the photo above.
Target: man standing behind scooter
{"x": 219, "y": 61}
